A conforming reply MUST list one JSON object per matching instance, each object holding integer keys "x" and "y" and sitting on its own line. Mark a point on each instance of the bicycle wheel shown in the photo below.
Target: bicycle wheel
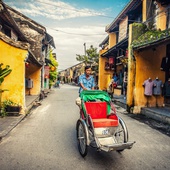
{"x": 82, "y": 139}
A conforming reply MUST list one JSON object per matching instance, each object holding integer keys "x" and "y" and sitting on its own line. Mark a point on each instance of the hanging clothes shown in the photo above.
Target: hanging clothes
{"x": 158, "y": 85}
{"x": 165, "y": 64}
{"x": 29, "y": 83}
{"x": 148, "y": 84}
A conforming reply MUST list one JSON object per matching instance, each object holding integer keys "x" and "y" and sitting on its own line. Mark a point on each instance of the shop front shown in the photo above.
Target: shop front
{"x": 116, "y": 68}
{"x": 151, "y": 76}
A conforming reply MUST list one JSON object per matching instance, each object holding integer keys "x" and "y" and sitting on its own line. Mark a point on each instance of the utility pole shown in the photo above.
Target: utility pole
{"x": 85, "y": 52}
{"x": 84, "y": 49}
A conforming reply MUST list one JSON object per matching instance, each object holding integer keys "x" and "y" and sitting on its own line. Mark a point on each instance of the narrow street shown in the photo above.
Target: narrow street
{"x": 46, "y": 139}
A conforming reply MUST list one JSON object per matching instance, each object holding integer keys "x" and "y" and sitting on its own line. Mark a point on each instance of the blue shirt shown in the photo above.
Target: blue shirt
{"x": 115, "y": 78}
{"x": 87, "y": 82}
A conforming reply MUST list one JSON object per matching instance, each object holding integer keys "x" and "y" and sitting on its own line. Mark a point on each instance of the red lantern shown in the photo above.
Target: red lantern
{"x": 111, "y": 61}
{"x": 27, "y": 64}
{"x": 126, "y": 54}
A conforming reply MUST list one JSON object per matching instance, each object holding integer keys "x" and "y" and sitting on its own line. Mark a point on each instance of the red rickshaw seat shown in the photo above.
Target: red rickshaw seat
{"x": 96, "y": 110}
{"x": 98, "y": 113}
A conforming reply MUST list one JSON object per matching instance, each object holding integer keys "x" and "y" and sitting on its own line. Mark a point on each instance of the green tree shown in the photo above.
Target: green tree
{"x": 53, "y": 69}
{"x": 91, "y": 58}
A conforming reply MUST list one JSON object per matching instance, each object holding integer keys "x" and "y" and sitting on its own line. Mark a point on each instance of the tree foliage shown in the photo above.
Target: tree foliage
{"x": 53, "y": 68}
{"x": 91, "y": 58}
{"x": 4, "y": 72}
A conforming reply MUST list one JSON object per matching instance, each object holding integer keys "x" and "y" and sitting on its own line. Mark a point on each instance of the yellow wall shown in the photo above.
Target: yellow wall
{"x": 34, "y": 73}
{"x": 112, "y": 39}
{"x": 161, "y": 18}
{"x": 131, "y": 72}
{"x": 15, "y": 81}
{"x": 105, "y": 76}
{"x": 144, "y": 10}
{"x": 71, "y": 73}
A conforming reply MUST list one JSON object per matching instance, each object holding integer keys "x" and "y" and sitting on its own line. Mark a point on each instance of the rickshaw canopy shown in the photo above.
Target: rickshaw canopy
{"x": 91, "y": 95}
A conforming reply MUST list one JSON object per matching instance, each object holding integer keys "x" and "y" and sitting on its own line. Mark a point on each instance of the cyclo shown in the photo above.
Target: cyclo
{"x": 99, "y": 126}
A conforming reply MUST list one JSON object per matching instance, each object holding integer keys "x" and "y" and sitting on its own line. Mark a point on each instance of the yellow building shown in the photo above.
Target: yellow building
{"x": 138, "y": 40}
{"x": 72, "y": 73}
{"x": 14, "y": 56}
{"x": 148, "y": 49}
{"x": 14, "y": 51}
{"x": 24, "y": 45}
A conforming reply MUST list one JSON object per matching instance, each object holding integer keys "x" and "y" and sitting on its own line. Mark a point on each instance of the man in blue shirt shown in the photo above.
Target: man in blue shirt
{"x": 86, "y": 82}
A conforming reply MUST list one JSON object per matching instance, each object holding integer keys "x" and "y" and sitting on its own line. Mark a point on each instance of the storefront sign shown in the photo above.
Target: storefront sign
{"x": 46, "y": 72}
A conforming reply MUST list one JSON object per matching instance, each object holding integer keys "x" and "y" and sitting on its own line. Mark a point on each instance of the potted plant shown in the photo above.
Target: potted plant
{"x": 11, "y": 108}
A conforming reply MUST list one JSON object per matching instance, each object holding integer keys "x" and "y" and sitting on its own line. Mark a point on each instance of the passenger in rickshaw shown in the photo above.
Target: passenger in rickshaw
{"x": 86, "y": 82}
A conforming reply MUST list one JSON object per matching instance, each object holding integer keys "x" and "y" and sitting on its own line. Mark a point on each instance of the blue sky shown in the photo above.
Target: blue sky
{"x": 71, "y": 23}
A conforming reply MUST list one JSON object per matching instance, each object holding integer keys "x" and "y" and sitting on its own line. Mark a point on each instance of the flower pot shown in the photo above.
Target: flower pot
{"x": 13, "y": 110}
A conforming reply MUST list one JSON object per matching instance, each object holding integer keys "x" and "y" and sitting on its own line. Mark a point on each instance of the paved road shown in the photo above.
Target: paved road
{"x": 46, "y": 140}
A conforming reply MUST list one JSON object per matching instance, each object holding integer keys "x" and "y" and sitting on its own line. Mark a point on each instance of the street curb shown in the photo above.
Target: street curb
{"x": 11, "y": 126}
{"x": 160, "y": 117}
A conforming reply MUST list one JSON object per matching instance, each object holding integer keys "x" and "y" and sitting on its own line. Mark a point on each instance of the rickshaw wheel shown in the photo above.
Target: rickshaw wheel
{"x": 82, "y": 139}
{"x": 121, "y": 134}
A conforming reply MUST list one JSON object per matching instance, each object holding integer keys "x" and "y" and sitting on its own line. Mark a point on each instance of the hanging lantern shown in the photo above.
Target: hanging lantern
{"x": 126, "y": 53}
{"x": 111, "y": 60}
{"x": 52, "y": 68}
{"x": 27, "y": 64}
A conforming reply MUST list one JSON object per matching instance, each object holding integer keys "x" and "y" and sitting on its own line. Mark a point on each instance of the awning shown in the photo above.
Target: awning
{"x": 32, "y": 59}
{"x": 113, "y": 50}
{"x": 50, "y": 40}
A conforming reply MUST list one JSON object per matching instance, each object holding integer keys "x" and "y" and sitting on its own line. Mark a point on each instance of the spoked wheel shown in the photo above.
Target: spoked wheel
{"x": 121, "y": 134}
{"x": 82, "y": 139}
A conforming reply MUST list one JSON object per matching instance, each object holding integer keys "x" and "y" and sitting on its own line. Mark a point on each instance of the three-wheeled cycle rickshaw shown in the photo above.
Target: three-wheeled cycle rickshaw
{"x": 99, "y": 126}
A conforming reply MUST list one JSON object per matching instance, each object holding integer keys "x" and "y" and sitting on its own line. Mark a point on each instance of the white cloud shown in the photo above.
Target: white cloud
{"x": 68, "y": 45}
{"x": 55, "y": 10}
